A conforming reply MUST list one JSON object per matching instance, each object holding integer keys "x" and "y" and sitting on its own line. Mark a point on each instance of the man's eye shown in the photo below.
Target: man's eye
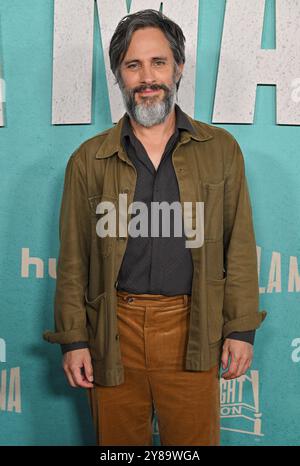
{"x": 133, "y": 66}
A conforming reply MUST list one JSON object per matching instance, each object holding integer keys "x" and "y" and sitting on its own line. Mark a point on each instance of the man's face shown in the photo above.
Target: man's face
{"x": 148, "y": 77}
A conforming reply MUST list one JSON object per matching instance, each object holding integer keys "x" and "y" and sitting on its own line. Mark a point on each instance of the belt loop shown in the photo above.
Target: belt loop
{"x": 185, "y": 299}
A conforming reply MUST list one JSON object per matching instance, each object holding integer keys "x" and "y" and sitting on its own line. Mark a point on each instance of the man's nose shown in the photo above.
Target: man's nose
{"x": 147, "y": 74}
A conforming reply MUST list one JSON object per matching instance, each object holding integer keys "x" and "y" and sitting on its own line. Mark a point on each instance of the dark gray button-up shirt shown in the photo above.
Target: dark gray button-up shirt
{"x": 160, "y": 264}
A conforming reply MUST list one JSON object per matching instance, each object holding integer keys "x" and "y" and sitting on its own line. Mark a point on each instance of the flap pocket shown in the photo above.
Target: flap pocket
{"x": 109, "y": 200}
{"x": 94, "y": 302}
{"x": 104, "y": 217}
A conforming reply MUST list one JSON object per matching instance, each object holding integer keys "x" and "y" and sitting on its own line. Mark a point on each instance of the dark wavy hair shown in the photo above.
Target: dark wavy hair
{"x": 145, "y": 18}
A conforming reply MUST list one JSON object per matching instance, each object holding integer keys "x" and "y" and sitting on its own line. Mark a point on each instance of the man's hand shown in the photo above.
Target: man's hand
{"x": 78, "y": 368}
{"x": 241, "y": 354}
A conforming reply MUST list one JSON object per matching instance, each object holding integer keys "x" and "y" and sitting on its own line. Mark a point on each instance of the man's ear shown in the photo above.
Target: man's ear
{"x": 179, "y": 71}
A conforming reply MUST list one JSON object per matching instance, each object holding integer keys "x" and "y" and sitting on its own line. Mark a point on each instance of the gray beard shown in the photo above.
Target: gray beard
{"x": 151, "y": 112}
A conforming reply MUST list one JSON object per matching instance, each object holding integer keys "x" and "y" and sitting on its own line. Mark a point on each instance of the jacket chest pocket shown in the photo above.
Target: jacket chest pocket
{"x": 213, "y": 196}
{"x": 97, "y": 325}
{"x": 215, "y": 300}
{"x": 104, "y": 215}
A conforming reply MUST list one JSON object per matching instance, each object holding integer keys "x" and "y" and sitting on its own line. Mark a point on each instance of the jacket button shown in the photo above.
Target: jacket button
{"x": 117, "y": 336}
{"x": 116, "y": 284}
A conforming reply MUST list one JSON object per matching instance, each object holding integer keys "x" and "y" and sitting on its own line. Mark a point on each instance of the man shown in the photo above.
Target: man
{"x": 144, "y": 317}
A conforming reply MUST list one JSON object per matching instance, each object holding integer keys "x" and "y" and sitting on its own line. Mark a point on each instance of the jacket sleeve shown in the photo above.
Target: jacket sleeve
{"x": 73, "y": 260}
{"x": 241, "y": 294}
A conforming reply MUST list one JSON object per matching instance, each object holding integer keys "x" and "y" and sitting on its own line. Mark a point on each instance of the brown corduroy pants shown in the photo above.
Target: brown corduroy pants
{"x": 153, "y": 331}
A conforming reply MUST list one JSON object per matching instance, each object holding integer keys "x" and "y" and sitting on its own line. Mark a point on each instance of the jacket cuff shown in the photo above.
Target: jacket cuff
{"x": 69, "y": 336}
{"x": 244, "y": 323}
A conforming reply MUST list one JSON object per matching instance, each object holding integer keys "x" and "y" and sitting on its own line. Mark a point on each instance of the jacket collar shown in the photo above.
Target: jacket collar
{"x": 182, "y": 123}
{"x": 113, "y": 141}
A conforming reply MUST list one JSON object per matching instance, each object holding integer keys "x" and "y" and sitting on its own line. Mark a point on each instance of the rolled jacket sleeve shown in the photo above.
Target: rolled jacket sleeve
{"x": 73, "y": 261}
{"x": 241, "y": 294}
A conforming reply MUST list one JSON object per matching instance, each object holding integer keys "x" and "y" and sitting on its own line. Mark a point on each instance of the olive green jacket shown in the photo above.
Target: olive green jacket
{"x": 209, "y": 167}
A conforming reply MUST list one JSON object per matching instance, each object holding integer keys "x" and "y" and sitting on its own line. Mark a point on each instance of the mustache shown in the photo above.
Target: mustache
{"x": 153, "y": 87}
